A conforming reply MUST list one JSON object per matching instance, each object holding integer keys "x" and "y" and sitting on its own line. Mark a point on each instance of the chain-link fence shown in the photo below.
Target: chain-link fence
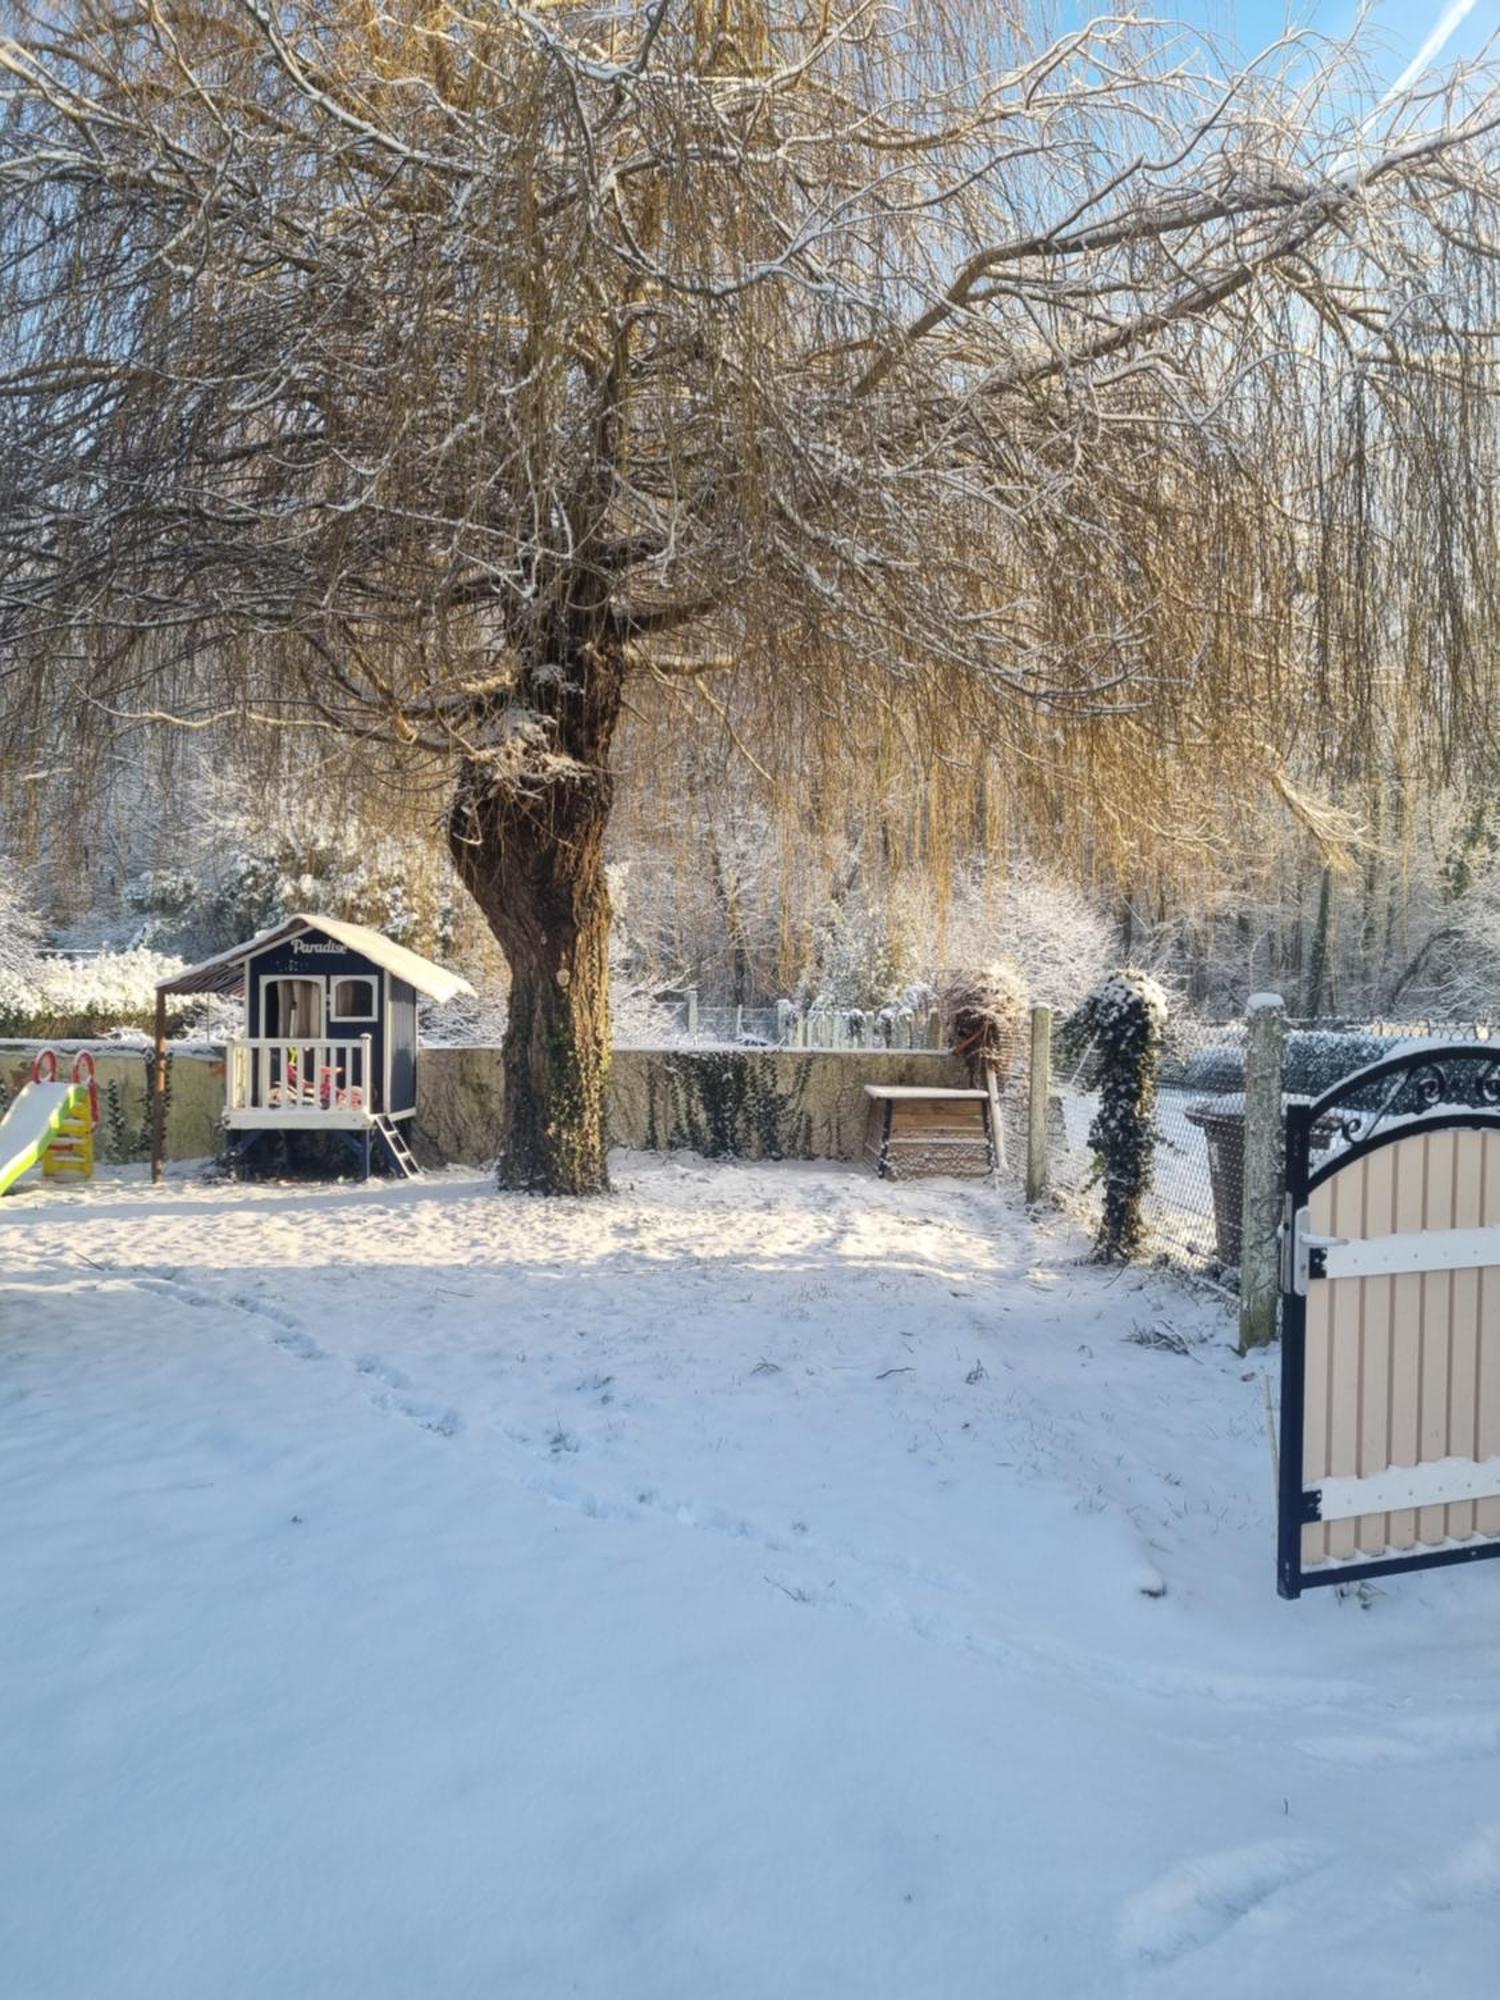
{"x": 785, "y": 1026}
{"x": 1193, "y": 1208}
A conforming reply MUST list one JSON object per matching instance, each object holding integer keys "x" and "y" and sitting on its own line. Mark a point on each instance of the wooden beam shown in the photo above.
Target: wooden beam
{"x": 1037, "y": 1103}
{"x": 159, "y": 1094}
{"x": 1263, "y": 1185}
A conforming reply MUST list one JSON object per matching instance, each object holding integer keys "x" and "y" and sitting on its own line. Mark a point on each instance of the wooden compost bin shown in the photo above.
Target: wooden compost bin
{"x": 912, "y": 1131}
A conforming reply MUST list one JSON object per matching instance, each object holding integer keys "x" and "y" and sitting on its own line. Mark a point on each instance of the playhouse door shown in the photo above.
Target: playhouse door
{"x": 291, "y": 1010}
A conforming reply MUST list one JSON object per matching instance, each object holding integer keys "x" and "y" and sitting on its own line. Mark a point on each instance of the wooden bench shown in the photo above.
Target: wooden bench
{"x": 913, "y": 1131}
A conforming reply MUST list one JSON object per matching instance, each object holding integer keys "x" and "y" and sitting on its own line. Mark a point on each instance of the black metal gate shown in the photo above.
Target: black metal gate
{"x": 1390, "y": 1358}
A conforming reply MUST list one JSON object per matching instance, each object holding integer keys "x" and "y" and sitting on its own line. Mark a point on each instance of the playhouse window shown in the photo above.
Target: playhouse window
{"x": 353, "y": 1000}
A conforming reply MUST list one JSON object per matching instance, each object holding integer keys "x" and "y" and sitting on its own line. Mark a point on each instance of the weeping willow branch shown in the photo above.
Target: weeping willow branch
{"x": 1082, "y": 420}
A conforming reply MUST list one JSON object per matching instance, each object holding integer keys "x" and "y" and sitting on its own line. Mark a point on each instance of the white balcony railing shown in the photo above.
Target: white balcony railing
{"x": 307, "y": 1077}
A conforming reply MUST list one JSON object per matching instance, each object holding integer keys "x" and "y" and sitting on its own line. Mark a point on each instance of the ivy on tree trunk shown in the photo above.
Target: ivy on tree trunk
{"x": 531, "y": 853}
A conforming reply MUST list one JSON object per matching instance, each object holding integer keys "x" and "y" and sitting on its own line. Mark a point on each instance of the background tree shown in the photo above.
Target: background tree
{"x": 434, "y": 377}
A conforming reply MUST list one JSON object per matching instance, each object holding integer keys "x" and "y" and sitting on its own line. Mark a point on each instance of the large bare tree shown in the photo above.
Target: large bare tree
{"x": 434, "y": 374}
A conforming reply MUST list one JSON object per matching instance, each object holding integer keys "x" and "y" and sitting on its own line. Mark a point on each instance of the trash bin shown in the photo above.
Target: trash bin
{"x": 1222, "y": 1123}
{"x": 1221, "y": 1120}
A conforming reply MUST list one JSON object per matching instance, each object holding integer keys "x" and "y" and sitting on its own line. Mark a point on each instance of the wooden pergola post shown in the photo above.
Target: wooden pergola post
{"x": 159, "y": 1093}
{"x": 1038, "y": 1103}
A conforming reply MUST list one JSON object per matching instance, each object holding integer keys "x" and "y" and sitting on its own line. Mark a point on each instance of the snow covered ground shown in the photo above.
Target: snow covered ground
{"x": 765, "y": 1583}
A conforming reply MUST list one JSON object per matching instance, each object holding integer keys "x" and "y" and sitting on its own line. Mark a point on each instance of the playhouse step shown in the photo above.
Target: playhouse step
{"x": 402, "y": 1159}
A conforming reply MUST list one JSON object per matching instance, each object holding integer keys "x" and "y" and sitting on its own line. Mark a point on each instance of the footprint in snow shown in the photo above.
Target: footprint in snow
{"x": 1193, "y": 1905}
{"x": 371, "y": 1364}
{"x": 247, "y": 1302}
{"x": 434, "y": 1417}
{"x": 1415, "y": 1741}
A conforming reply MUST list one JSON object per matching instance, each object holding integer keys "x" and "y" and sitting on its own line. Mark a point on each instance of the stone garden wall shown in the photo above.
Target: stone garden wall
{"x": 195, "y": 1104}
{"x": 754, "y": 1104}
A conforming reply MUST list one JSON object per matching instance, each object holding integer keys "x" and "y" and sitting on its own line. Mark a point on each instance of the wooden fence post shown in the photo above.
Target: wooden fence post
{"x": 1037, "y": 1100}
{"x": 159, "y": 1094}
{"x": 1261, "y": 1195}
{"x": 692, "y": 1010}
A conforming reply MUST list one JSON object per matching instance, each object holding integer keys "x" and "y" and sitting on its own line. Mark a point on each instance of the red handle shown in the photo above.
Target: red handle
{"x": 48, "y": 1056}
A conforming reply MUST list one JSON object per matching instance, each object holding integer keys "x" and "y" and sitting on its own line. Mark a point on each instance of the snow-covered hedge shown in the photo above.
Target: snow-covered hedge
{"x": 1316, "y": 1059}
{"x": 99, "y": 995}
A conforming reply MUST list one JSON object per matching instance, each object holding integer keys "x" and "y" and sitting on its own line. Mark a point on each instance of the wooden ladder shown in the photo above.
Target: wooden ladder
{"x": 403, "y": 1161}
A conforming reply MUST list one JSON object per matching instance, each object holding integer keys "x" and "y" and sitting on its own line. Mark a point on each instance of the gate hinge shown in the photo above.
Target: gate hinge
{"x": 1312, "y": 1505}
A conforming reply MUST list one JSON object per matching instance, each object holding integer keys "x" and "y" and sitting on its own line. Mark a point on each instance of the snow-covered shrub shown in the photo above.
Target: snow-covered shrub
{"x": 20, "y": 935}
{"x": 468, "y": 1020}
{"x": 257, "y": 860}
{"x": 363, "y": 881}
{"x": 1316, "y": 1059}
{"x": 1125, "y": 1017}
{"x": 165, "y": 900}
{"x": 101, "y": 995}
{"x": 640, "y": 1019}
{"x": 21, "y": 1001}
{"x": 1058, "y": 943}
{"x": 863, "y": 956}
{"x": 251, "y": 893}
{"x": 985, "y": 1007}
{"x": 1212, "y": 1072}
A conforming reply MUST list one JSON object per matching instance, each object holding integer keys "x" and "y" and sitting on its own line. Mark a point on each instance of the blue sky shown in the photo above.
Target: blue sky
{"x": 1397, "y": 29}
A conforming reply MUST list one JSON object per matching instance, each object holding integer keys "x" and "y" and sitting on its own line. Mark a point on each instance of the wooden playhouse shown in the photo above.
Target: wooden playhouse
{"x": 330, "y": 1040}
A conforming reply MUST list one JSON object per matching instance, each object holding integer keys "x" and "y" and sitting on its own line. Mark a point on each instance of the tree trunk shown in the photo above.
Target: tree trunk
{"x": 531, "y": 853}
{"x": 1317, "y": 971}
{"x": 727, "y": 896}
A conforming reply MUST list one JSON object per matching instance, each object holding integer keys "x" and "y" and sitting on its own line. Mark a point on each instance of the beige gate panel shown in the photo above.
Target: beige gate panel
{"x": 1487, "y": 1346}
{"x": 1403, "y": 1368}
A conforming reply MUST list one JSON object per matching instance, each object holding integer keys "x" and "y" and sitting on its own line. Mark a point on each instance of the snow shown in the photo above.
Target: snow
{"x": 766, "y": 1581}
{"x": 1265, "y": 1003}
{"x": 106, "y": 986}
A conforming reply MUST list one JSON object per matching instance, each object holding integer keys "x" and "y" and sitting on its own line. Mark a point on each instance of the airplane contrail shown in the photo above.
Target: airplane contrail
{"x": 1452, "y": 17}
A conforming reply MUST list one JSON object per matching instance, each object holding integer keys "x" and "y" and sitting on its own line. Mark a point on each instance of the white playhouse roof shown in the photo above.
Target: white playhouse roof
{"x": 221, "y": 974}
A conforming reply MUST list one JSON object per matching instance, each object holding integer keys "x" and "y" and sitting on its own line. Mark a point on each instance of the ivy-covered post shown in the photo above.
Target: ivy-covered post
{"x": 1126, "y": 1020}
{"x": 1260, "y": 1212}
